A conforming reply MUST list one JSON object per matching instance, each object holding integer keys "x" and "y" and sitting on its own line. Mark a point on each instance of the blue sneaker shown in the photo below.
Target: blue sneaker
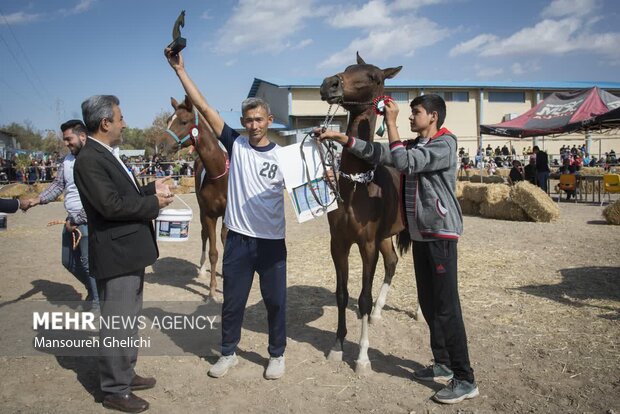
{"x": 435, "y": 372}
{"x": 456, "y": 391}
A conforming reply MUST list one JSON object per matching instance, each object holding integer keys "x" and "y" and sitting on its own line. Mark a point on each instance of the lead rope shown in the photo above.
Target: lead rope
{"x": 327, "y": 157}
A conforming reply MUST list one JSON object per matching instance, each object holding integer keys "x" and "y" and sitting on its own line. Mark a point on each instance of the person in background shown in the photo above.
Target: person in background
{"x": 516, "y": 173}
{"x": 74, "y": 257}
{"x": 542, "y": 168}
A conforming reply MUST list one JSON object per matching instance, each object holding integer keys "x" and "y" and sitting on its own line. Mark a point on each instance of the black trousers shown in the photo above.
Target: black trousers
{"x": 119, "y": 297}
{"x": 435, "y": 264}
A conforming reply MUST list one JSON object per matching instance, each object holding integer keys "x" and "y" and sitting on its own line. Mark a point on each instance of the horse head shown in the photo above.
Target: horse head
{"x": 356, "y": 87}
{"x": 183, "y": 126}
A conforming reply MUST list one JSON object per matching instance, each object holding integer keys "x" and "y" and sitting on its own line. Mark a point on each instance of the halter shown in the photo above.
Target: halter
{"x": 192, "y": 134}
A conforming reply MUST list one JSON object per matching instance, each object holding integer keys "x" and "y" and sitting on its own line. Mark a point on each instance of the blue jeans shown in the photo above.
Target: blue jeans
{"x": 76, "y": 261}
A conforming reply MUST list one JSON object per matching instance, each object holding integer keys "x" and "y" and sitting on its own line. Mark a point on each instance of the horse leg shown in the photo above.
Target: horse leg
{"x": 390, "y": 259}
{"x": 370, "y": 255}
{"x": 223, "y": 232}
{"x": 212, "y": 223}
{"x": 340, "y": 256}
{"x": 204, "y": 233}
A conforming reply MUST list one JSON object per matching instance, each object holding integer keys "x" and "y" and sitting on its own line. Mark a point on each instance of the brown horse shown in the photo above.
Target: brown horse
{"x": 188, "y": 127}
{"x": 370, "y": 211}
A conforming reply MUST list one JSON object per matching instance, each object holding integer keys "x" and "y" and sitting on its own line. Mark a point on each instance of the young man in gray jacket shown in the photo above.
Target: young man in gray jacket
{"x": 434, "y": 222}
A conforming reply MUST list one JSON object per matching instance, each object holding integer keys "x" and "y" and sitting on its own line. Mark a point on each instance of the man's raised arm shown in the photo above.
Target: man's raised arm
{"x": 213, "y": 118}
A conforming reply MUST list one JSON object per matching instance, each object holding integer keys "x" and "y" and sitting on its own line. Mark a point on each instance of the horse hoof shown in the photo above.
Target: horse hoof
{"x": 335, "y": 356}
{"x": 363, "y": 367}
{"x": 375, "y": 318}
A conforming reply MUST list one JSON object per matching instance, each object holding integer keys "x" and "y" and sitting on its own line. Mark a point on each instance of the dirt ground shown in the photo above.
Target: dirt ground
{"x": 541, "y": 304}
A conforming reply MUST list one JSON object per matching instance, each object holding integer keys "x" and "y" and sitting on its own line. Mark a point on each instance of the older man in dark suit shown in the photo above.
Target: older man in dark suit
{"x": 8, "y": 205}
{"x": 121, "y": 243}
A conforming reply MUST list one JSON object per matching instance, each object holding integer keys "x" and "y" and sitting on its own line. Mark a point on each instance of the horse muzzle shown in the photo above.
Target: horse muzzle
{"x": 331, "y": 90}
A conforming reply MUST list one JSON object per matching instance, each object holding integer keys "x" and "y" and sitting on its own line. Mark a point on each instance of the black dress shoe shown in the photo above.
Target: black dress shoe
{"x": 141, "y": 383}
{"x": 128, "y": 403}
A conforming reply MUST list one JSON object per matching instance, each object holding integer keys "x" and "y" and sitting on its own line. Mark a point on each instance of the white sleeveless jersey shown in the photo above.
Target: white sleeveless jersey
{"x": 255, "y": 191}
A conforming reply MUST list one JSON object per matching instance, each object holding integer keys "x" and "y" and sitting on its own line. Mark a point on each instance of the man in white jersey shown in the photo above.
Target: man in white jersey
{"x": 74, "y": 258}
{"x": 256, "y": 223}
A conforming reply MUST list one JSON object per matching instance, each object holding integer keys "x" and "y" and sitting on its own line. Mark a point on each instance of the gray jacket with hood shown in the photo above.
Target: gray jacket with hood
{"x": 432, "y": 168}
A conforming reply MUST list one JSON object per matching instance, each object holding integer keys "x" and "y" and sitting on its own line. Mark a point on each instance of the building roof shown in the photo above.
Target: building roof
{"x": 232, "y": 118}
{"x": 423, "y": 84}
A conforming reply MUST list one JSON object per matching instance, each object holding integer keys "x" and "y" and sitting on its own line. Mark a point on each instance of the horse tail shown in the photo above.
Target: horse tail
{"x": 403, "y": 241}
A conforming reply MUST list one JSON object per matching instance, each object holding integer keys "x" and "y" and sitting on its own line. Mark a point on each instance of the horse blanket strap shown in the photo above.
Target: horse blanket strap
{"x": 192, "y": 134}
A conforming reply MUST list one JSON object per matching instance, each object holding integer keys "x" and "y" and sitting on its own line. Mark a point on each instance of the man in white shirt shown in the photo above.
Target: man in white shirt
{"x": 256, "y": 223}
{"x": 75, "y": 231}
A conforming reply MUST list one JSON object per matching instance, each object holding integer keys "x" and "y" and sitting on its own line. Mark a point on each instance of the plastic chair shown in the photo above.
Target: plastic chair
{"x": 568, "y": 182}
{"x": 611, "y": 184}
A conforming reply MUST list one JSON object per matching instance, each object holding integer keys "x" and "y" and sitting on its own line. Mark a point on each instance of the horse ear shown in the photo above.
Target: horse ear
{"x": 360, "y": 61}
{"x": 188, "y": 103}
{"x": 389, "y": 73}
{"x": 174, "y": 103}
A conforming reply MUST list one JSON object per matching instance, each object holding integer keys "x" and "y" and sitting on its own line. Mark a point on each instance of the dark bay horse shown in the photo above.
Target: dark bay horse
{"x": 370, "y": 211}
{"x": 188, "y": 127}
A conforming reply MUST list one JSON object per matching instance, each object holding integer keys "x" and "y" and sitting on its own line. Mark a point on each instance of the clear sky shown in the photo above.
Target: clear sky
{"x": 55, "y": 53}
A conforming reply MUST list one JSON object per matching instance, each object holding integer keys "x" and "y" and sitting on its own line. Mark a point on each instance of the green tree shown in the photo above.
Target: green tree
{"x": 53, "y": 143}
{"x": 27, "y": 136}
{"x": 156, "y": 133}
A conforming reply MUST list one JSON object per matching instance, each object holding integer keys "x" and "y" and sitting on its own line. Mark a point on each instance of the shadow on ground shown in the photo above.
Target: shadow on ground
{"x": 583, "y": 284}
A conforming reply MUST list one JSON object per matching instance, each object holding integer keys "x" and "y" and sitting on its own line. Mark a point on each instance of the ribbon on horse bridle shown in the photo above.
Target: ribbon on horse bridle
{"x": 192, "y": 134}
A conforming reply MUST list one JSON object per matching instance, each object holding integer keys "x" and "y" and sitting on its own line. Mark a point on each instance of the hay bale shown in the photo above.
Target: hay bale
{"x": 494, "y": 193}
{"x": 535, "y": 202}
{"x": 39, "y": 187}
{"x": 14, "y": 190}
{"x": 186, "y": 181}
{"x": 480, "y": 193}
{"x": 493, "y": 179}
{"x": 592, "y": 171}
{"x": 612, "y": 213}
{"x": 468, "y": 207}
{"x": 459, "y": 189}
{"x": 503, "y": 210}
{"x": 474, "y": 192}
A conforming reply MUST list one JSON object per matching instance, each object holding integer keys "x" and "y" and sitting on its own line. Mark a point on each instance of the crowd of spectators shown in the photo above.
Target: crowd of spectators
{"x": 43, "y": 168}
{"x": 491, "y": 159}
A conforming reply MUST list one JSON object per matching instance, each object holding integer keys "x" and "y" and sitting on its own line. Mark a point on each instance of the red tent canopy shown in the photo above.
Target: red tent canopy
{"x": 563, "y": 112}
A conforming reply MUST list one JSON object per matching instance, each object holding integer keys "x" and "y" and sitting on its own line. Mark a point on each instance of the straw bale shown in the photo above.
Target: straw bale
{"x": 503, "y": 210}
{"x": 504, "y": 172}
{"x": 494, "y": 193}
{"x": 459, "y": 189}
{"x": 186, "y": 181}
{"x": 468, "y": 207}
{"x": 474, "y": 192}
{"x": 39, "y": 187}
{"x": 488, "y": 179}
{"x": 592, "y": 171}
{"x": 14, "y": 190}
{"x": 479, "y": 193}
{"x": 612, "y": 213}
{"x": 535, "y": 202}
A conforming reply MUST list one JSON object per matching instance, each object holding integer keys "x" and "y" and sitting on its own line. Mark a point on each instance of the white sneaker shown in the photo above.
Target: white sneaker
{"x": 222, "y": 365}
{"x": 275, "y": 369}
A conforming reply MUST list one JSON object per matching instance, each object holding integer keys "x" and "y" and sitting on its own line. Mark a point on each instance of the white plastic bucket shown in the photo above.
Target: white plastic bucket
{"x": 4, "y": 221}
{"x": 173, "y": 225}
